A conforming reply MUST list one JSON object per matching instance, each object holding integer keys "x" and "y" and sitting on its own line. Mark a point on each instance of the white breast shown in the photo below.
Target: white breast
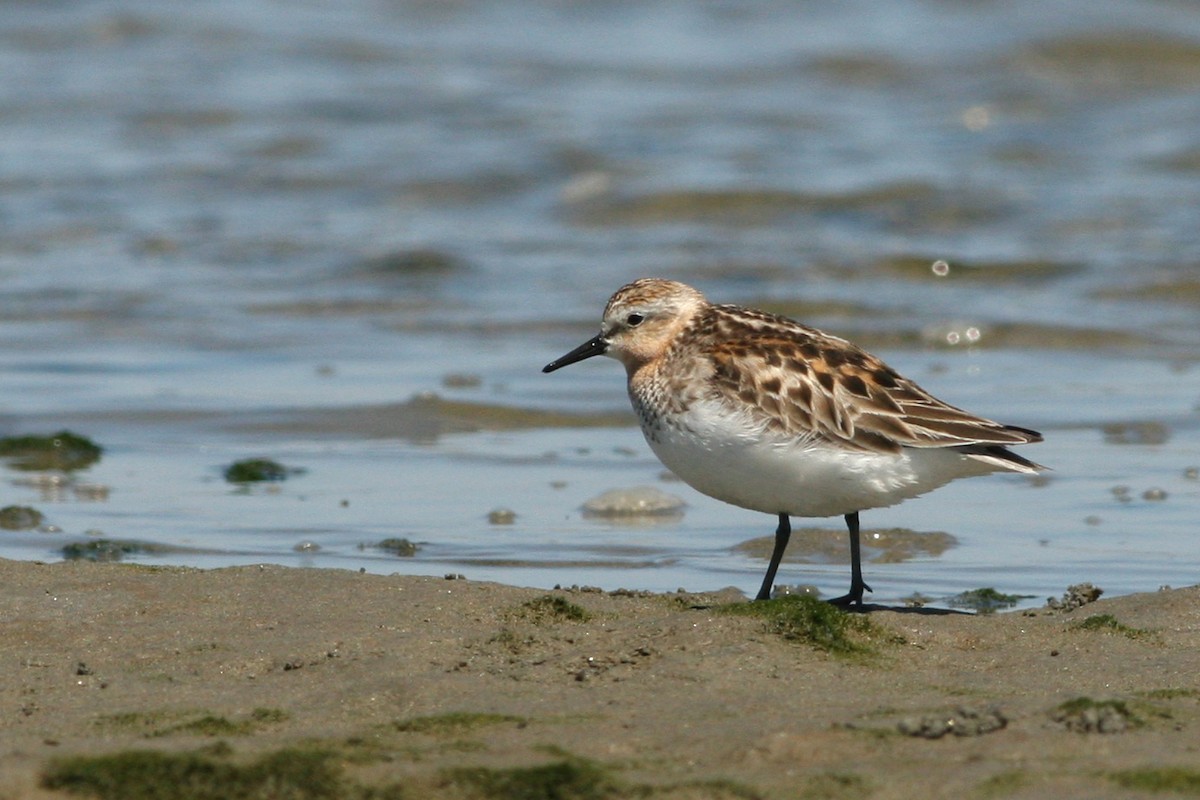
{"x": 724, "y": 457}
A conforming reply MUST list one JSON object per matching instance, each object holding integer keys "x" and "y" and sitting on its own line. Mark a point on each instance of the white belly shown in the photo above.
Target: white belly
{"x": 799, "y": 477}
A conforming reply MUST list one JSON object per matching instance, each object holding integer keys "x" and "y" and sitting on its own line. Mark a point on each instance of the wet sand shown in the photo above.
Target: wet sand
{"x": 405, "y": 679}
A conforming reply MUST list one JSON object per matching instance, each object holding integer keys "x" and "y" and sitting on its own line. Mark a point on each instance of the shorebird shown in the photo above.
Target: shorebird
{"x": 760, "y": 411}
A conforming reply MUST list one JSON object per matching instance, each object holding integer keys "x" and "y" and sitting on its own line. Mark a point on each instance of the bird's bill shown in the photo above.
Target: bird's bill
{"x": 592, "y": 347}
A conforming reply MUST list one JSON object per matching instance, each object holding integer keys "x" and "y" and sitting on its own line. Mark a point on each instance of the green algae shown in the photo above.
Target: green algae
{"x": 455, "y": 722}
{"x": 565, "y": 779}
{"x": 108, "y": 549}
{"x": 835, "y": 786}
{"x": 398, "y": 546}
{"x": 288, "y": 774}
{"x": 1178, "y": 780}
{"x": 20, "y": 518}
{"x": 550, "y": 608}
{"x": 1107, "y": 623}
{"x": 806, "y": 619}
{"x": 63, "y": 451}
{"x": 258, "y": 470}
{"x": 158, "y": 724}
{"x": 1003, "y": 784}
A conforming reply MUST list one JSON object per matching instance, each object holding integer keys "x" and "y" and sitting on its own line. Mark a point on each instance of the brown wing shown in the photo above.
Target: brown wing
{"x": 800, "y": 381}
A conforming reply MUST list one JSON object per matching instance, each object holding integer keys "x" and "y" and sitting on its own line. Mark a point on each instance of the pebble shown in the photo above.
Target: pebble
{"x": 20, "y": 518}
{"x": 1098, "y": 719}
{"x": 398, "y": 546}
{"x": 1077, "y": 594}
{"x": 963, "y": 722}
{"x": 638, "y": 501}
{"x": 502, "y": 516}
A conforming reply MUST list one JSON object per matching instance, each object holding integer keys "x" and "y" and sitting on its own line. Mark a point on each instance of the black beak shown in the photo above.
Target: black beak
{"x": 592, "y": 347}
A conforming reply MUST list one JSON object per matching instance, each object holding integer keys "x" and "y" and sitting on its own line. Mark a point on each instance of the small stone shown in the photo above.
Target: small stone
{"x": 1078, "y": 594}
{"x": 502, "y": 516}
{"x": 935, "y": 728}
{"x": 963, "y": 722}
{"x": 60, "y": 452}
{"x": 1106, "y": 716}
{"x": 639, "y": 501}
{"x": 254, "y": 470}
{"x": 20, "y": 518}
{"x": 399, "y": 547}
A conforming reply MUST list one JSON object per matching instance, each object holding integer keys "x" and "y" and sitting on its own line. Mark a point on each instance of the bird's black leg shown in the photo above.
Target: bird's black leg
{"x": 857, "y": 585}
{"x": 782, "y": 534}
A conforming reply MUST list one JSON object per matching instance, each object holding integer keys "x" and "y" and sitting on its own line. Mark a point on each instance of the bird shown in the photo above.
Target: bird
{"x": 768, "y": 414}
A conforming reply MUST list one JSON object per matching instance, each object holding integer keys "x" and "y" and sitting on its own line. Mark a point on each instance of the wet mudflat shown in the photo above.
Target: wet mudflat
{"x": 343, "y": 684}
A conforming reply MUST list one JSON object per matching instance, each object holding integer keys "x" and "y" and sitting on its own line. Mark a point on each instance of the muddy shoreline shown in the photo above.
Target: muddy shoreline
{"x": 419, "y": 686}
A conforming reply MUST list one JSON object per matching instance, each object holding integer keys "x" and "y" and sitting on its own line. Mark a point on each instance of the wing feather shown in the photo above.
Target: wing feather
{"x": 798, "y": 381}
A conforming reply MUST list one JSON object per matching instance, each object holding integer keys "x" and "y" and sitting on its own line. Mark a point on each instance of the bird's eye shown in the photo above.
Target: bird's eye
{"x": 633, "y": 320}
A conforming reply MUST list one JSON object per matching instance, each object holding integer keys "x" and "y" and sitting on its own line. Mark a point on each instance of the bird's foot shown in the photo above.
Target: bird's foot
{"x": 852, "y": 598}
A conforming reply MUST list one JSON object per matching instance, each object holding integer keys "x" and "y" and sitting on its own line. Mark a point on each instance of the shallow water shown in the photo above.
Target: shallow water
{"x": 239, "y": 230}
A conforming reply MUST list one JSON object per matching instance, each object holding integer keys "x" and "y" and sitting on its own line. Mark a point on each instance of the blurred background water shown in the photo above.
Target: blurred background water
{"x": 347, "y": 236}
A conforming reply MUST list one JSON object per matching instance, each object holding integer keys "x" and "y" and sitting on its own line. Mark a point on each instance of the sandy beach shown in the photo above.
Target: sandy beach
{"x": 418, "y": 687}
